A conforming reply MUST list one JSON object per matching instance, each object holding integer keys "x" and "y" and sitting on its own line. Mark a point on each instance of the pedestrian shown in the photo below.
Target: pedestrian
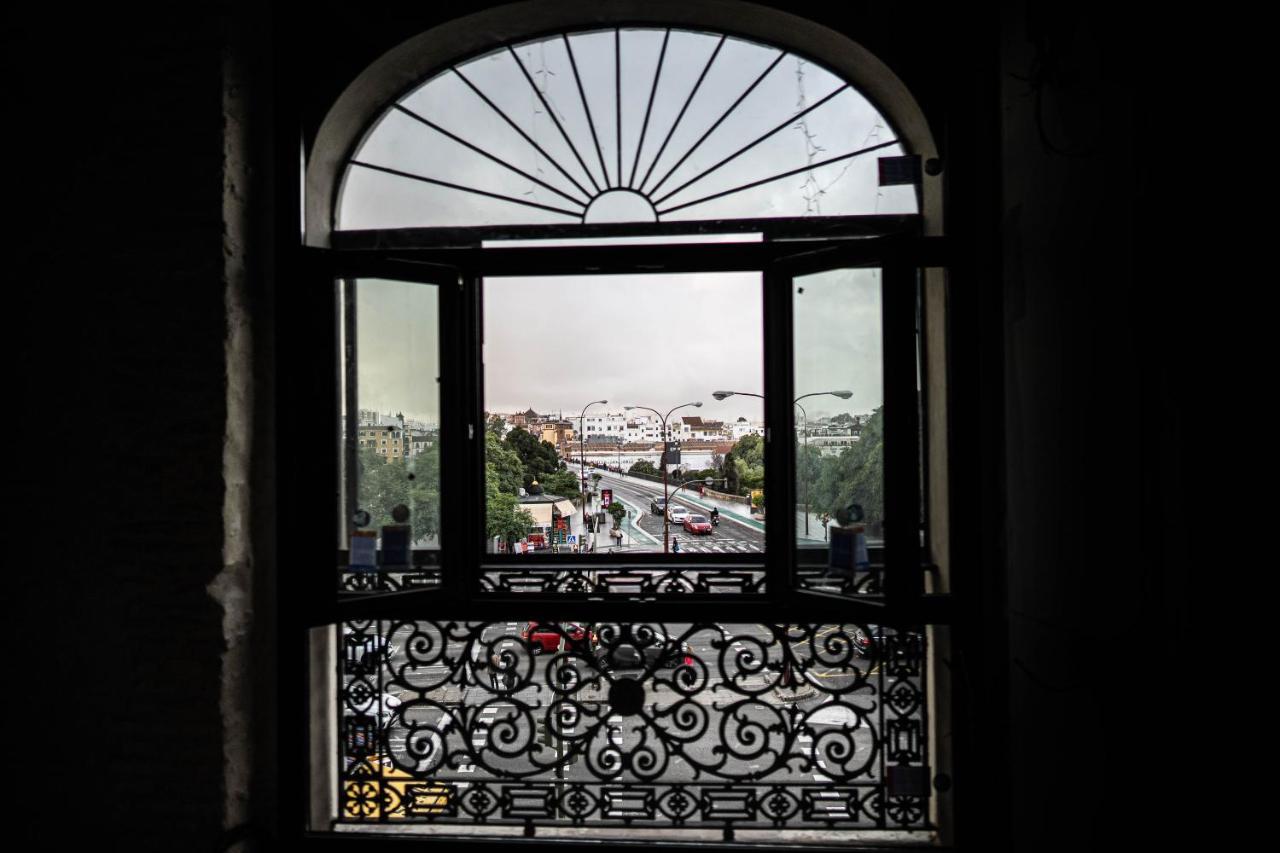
{"x": 675, "y": 545}
{"x": 495, "y": 672}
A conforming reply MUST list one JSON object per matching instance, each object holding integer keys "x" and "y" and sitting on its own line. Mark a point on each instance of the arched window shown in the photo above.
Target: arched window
{"x": 527, "y": 218}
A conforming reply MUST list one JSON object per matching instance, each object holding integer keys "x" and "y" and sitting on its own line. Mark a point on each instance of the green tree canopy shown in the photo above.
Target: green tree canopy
{"x": 507, "y": 465}
{"x": 383, "y": 484}
{"x": 503, "y": 514}
{"x": 644, "y": 466}
{"x": 856, "y": 475}
{"x": 538, "y": 457}
{"x": 748, "y": 464}
{"x": 562, "y": 482}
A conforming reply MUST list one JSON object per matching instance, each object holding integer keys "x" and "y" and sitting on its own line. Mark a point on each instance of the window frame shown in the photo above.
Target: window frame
{"x": 843, "y": 241}
{"x": 459, "y": 273}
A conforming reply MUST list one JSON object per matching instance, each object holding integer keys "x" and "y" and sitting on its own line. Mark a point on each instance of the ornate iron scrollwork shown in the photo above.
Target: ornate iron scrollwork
{"x": 664, "y": 725}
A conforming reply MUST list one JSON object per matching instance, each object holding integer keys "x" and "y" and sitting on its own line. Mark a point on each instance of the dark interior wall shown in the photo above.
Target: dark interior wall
{"x": 120, "y": 409}
{"x": 1097, "y": 582}
{"x": 114, "y": 143}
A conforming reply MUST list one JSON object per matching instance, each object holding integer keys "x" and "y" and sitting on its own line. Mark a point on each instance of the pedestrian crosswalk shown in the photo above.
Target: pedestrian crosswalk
{"x": 719, "y": 545}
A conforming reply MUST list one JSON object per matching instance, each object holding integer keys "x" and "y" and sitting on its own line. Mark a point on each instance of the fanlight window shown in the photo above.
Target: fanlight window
{"x": 623, "y": 125}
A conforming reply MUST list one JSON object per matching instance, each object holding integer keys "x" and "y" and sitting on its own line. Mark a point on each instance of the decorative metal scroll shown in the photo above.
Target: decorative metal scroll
{"x": 386, "y": 580}
{"x": 861, "y": 583}
{"x": 613, "y": 580}
{"x": 653, "y": 725}
{"x": 623, "y": 580}
{"x": 623, "y": 125}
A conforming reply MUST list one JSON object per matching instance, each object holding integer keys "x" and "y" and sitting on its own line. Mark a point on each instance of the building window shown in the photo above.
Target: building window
{"x": 655, "y": 173}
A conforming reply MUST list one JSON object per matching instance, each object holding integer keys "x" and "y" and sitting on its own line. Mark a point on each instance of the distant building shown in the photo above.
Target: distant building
{"x": 556, "y": 432}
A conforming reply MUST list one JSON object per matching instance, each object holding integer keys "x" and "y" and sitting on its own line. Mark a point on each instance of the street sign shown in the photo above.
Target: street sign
{"x": 573, "y": 539}
{"x": 606, "y": 497}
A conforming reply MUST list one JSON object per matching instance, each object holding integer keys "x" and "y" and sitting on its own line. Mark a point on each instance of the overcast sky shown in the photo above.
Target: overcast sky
{"x": 556, "y": 343}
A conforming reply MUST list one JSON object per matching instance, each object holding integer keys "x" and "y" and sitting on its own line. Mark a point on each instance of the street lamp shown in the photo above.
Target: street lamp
{"x": 582, "y": 452}
{"x": 843, "y": 395}
{"x": 666, "y": 443}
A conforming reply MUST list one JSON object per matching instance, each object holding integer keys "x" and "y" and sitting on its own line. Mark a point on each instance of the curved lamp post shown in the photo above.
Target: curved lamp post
{"x": 843, "y": 395}
{"x": 666, "y": 441}
{"x": 582, "y": 452}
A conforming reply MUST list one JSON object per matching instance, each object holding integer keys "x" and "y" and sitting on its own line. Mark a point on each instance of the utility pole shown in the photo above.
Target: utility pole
{"x": 666, "y": 445}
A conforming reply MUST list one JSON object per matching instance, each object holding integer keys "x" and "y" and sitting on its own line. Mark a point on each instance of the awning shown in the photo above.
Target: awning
{"x": 541, "y": 512}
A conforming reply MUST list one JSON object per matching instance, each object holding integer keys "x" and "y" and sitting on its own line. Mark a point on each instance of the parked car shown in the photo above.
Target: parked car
{"x": 629, "y": 660}
{"x": 698, "y": 524}
{"x": 546, "y": 636}
{"x": 881, "y": 641}
{"x": 657, "y": 505}
{"x": 678, "y": 514}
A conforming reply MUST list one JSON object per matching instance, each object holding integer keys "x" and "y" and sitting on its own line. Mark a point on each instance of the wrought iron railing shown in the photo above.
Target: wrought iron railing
{"x": 654, "y": 725}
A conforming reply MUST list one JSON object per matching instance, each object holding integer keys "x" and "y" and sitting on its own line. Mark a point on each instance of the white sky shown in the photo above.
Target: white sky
{"x": 556, "y": 343}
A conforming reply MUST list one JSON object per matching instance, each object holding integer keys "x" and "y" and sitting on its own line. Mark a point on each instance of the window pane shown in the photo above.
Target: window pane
{"x": 838, "y": 411}
{"x": 673, "y": 726}
{"x": 391, "y": 423}
{"x": 610, "y": 382}
{"x": 628, "y": 125}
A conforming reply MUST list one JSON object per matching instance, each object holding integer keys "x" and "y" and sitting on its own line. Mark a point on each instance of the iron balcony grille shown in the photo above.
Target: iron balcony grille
{"x": 627, "y": 725}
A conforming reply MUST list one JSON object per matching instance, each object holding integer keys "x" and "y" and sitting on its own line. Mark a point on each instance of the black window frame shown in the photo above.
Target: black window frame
{"x": 458, "y": 273}
{"x": 454, "y": 260}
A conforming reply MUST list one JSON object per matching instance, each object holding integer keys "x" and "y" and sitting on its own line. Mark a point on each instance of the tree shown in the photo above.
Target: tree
{"x": 538, "y": 457}
{"x": 856, "y": 475}
{"x": 617, "y": 510}
{"x": 507, "y": 465}
{"x": 503, "y": 514}
{"x": 562, "y": 482}
{"x": 644, "y": 466}
{"x": 386, "y": 483}
{"x": 495, "y": 425}
{"x": 748, "y": 464}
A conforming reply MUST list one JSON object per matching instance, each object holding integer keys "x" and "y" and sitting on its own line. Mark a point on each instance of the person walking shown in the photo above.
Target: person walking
{"x": 675, "y": 545}
{"x": 495, "y": 672}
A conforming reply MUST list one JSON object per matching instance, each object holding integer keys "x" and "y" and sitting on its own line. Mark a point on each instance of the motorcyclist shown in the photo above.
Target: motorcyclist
{"x": 715, "y": 516}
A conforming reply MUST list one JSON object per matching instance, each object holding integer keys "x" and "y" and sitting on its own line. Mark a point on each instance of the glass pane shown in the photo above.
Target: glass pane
{"x": 611, "y": 385}
{"x": 628, "y": 125}
{"x": 604, "y": 726}
{"x": 839, "y": 452}
{"x": 391, "y": 419}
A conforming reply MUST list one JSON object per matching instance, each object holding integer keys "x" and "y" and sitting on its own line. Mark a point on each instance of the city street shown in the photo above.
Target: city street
{"x": 735, "y": 534}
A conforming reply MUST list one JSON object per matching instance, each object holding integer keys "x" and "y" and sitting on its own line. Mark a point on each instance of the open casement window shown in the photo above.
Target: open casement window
{"x": 778, "y": 688}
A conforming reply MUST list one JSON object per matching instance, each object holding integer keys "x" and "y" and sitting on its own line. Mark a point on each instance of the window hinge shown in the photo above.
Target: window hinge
{"x": 471, "y": 432}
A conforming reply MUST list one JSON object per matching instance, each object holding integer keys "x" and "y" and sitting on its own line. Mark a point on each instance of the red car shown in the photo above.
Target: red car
{"x": 546, "y": 636}
{"x": 697, "y": 524}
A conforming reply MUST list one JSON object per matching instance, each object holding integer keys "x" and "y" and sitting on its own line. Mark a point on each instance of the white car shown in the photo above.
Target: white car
{"x": 677, "y": 514}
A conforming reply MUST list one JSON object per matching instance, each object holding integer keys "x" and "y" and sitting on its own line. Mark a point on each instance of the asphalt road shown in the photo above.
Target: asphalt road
{"x": 730, "y": 536}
